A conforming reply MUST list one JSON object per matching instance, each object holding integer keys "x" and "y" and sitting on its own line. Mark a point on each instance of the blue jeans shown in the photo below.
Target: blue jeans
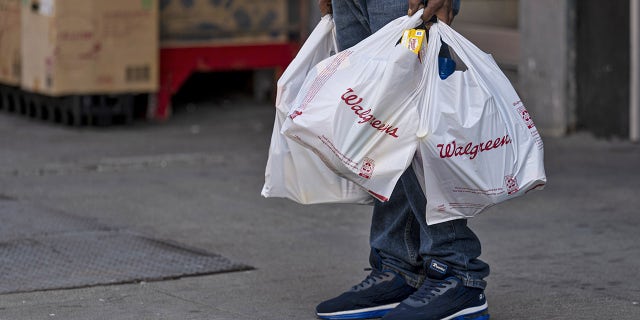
{"x": 400, "y": 238}
{"x": 358, "y": 19}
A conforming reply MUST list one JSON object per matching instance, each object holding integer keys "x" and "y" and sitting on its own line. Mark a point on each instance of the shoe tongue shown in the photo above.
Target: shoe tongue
{"x": 437, "y": 270}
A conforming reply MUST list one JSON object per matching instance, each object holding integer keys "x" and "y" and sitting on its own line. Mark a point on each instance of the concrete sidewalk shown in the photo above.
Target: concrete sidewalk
{"x": 571, "y": 251}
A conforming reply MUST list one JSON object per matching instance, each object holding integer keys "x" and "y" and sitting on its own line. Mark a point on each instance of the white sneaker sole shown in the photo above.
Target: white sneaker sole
{"x": 467, "y": 311}
{"x": 365, "y": 313}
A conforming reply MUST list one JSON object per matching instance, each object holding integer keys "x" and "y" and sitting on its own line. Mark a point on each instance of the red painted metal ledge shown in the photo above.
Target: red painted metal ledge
{"x": 178, "y": 63}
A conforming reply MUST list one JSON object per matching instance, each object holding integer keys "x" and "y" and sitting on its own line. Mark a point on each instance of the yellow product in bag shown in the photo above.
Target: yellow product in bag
{"x": 412, "y": 39}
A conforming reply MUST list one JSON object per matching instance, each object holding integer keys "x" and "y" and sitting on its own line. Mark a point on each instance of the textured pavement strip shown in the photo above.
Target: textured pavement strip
{"x": 43, "y": 249}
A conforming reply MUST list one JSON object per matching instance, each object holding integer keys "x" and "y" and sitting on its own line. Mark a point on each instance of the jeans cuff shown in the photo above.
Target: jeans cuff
{"x": 473, "y": 283}
{"x": 412, "y": 279}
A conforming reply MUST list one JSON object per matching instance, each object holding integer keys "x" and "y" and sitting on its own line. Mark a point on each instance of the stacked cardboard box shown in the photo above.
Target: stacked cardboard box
{"x": 89, "y": 46}
{"x": 206, "y": 22}
{"x": 10, "y": 42}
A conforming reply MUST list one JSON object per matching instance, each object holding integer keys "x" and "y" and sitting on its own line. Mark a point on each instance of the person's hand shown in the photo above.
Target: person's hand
{"x": 325, "y": 7}
{"x": 443, "y": 9}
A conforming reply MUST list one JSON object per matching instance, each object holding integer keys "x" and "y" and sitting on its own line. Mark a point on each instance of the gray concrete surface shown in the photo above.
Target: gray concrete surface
{"x": 547, "y": 63}
{"x": 571, "y": 251}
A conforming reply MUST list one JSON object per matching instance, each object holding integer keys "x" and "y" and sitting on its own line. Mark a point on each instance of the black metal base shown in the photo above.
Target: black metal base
{"x": 72, "y": 110}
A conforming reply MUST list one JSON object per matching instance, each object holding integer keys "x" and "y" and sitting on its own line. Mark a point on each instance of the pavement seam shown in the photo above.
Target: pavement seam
{"x": 119, "y": 164}
{"x": 198, "y": 303}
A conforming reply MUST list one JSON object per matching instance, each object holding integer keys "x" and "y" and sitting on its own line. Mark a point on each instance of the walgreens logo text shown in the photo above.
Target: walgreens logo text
{"x": 365, "y": 116}
{"x": 452, "y": 149}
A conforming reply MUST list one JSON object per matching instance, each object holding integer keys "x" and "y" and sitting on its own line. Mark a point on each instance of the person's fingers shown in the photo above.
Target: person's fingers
{"x": 444, "y": 14}
{"x": 325, "y": 7}
{"x": 427, "y": 14}
{"x": 414, "y": 6}
{"x": 442, "y": 9}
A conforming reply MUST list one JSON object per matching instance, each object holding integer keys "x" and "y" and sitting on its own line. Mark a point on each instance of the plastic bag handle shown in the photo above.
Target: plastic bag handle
{"x": 458, "y": 44}
{"x": 426, "y": 82}
{"x": 334, "y": 35}
{"x": 477, "y": 63}
{"x": 481, "y": 65}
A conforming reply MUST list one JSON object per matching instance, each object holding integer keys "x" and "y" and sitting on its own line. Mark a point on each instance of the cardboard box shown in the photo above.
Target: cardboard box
{"x": 10, "y": 42}
{"x": 205, "y": 22}
{"x": 89, "y": 46}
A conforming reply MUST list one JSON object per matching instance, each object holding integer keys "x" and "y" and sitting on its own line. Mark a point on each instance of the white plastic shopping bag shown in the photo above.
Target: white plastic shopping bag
{"x": 357, "y": 111}
{"x": 320, "y": 45}
{"x": 293, "y": 171}
{"x": 478, "y": 145}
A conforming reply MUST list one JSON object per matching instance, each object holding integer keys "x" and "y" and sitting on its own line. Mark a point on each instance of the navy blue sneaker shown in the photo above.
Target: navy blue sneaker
{"x": 378, "y": 293}
{"x": 442, "y": 297}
